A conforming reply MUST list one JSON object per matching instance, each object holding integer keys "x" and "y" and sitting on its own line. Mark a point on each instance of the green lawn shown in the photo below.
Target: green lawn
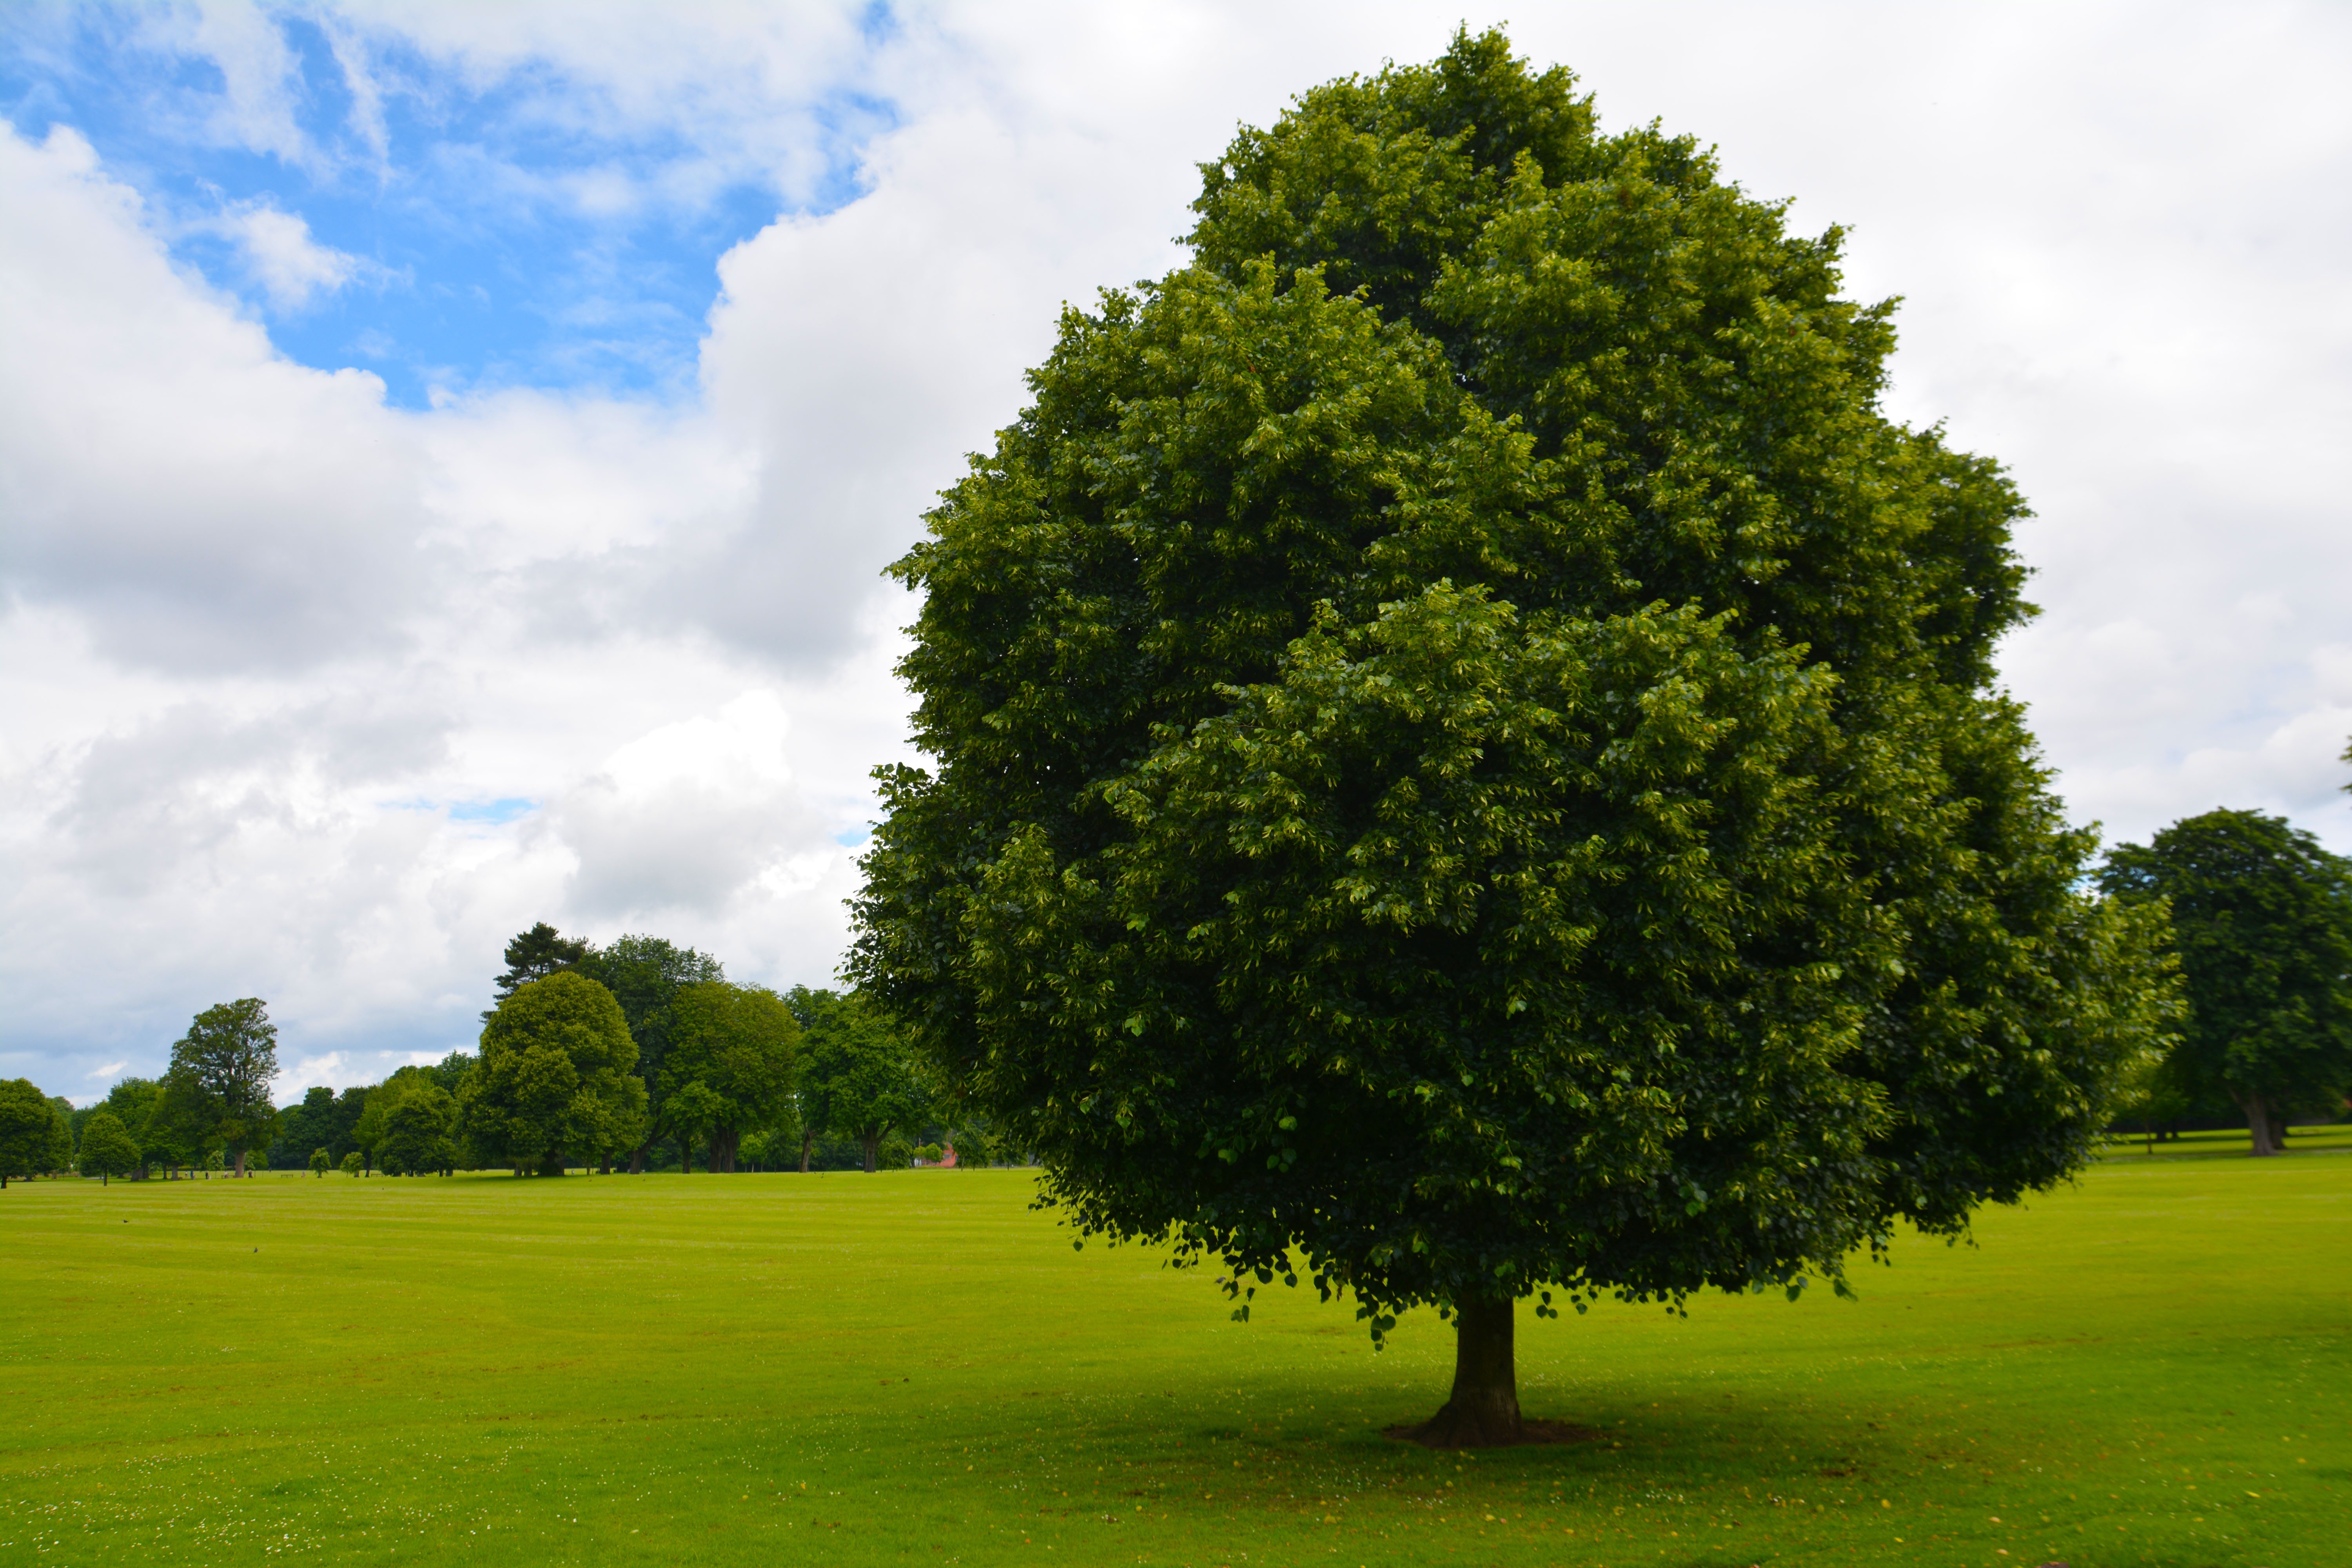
{"x": 913, "y": 1368}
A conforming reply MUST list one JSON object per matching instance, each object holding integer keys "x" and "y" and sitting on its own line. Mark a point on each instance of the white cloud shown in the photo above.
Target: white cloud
{"x": 259, "y": 628}
{"x": 291, "y": 267}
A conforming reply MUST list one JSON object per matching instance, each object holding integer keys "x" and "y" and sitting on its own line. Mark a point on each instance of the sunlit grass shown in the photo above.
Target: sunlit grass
{"x": 914, "y": 1368}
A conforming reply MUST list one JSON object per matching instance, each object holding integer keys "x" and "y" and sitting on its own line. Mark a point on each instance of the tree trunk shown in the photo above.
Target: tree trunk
{"x": 808, "y": 1141}
{"x": 2258, "y": 1123}
{"x": 240, "y": 1163}
{"x": 871, "y": 1144}
{"x": 638, "y": 1159}
{"x": 685, "y": 1155}
{"x": 1484, "y": 1412}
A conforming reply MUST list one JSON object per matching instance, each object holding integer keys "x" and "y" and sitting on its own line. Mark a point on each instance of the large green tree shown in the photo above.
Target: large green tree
{"x": 2262, "y": 916}
{"x": 858, "y": 1076}
{"x": 108, "y": 1149}
{"x": 737, "y": 1042}
{"x": 225, "y": 1064}
{"x": 554, "y": 1077}
{"x": 1464, "y": 757}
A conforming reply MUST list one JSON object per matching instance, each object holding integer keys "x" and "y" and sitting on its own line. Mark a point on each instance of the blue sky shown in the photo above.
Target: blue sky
{"x": 470, "y": 228}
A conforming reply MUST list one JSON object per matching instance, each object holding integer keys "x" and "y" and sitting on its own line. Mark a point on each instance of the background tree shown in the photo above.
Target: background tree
{"x": 226, "y": 1062}
{"x": 28, "y": 1132}
{"x": 858, "y": 1078}
{"x": 307, "y": 1124}
{"x": 350, "y": 1164}
{"x": 738, "y": 1041}
{"x": 320, "y": 1161}
{"x": 554, "y": 1075}
{"x": 688, "y": 1112}
{"x": 416, "y": 1134}
{"x": 1463, "y": 747}
{"x": 131, "y": 1102}
{"x": 409, "y": 1122}
{"x": 2262, "y": 917}
{"x": 183, "y": 1127}
{"x": 62, "y": 1138}
{"x": 108, "y": 1149}
{"x": 645, "y": 974}
{"x": 533, "y": 955}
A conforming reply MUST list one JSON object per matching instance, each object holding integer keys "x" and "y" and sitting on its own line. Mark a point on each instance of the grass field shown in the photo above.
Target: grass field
{"x": 911, "y": 1368}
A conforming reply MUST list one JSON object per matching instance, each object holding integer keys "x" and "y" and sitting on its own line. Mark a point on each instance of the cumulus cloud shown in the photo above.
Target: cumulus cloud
{"x": 202, "y": 502}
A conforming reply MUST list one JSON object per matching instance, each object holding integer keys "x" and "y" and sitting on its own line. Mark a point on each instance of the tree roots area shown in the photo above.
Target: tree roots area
{"x": 914, "y": 1367}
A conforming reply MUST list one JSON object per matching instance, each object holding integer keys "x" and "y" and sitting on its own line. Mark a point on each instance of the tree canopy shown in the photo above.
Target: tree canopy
{"x": 223, "y": 1067}
{"x": 2262, "y": 917}
{"x": 554, "y": 1077}
{"x": 1463, "y": 746}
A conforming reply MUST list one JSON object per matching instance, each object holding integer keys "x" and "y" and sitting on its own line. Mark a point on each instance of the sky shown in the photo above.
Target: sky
{"x": 448, "y": 454}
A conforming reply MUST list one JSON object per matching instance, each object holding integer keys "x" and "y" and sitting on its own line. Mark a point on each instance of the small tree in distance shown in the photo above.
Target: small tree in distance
{"x": 223, "y": 1067}
{"x": 1463, "y": 754}
{"x": 554, "y": 1076}
{"x": 321, "y": 1161}
{"x": 108, "y": 1149}
{"x": 858, "y": 1078}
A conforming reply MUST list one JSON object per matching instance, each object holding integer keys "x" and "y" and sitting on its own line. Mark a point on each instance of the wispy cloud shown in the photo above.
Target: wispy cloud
{"x": 281, "y": 255}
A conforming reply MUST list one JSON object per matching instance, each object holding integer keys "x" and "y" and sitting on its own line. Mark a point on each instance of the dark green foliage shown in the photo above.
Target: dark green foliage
{"x": 2262, "y": 917}
{"x": 728, "y": 1064}
{"x": 417, "y": 1129}
{"x": 534, "y": 955}
{"x": 222, "y": 1069}
{"x": 858, "y": 1079}
{"x": 107, "y": 1147}
{"x": 61, "y": 1134}
{"x": 30, "y": 1129}
{"x": 645, "y": 974}
{"x": 320, "y": 1161}
{"x": 132, "y": 1102}
{"x": 1463, "y": 743}
{"x": 184, "y": 1127}
{"x": 309, "y": 1124}
{"x": 555, "y": 1078}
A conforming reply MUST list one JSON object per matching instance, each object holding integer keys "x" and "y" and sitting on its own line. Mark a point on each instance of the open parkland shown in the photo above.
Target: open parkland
{"x": 2149, "y": 1366}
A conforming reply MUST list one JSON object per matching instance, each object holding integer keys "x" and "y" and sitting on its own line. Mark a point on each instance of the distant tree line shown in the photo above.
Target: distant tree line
{"x": 639, "y": 1056}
